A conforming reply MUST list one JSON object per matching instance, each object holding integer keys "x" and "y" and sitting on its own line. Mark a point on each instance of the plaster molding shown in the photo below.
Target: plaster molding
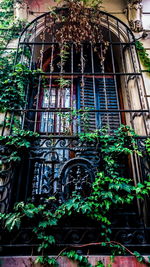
{"x": 134, "y": 15}
{"x": 20, "y": 10}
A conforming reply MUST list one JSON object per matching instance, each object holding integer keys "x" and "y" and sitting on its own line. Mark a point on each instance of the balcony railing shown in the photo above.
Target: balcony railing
{"x": 57, "y": 164}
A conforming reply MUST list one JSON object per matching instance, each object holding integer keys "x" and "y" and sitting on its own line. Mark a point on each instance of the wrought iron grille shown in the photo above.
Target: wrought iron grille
{"x": 104, "y": 80}
{"x": 100, "y": 84}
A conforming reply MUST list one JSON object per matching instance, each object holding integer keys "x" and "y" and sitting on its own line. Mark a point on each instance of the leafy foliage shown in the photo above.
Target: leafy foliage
{"x": 144, "y": 57}
{"x": 46, "y": 261}
{"x": 81, "y": 260}
{"x": 13, "y": 78}
{"x": 13, "y": 85}
{"x": 100, "y": 264}
{"x": 9, "y": 29}
{"x": 147, "y": 144}
{"x": 15, "y": 145}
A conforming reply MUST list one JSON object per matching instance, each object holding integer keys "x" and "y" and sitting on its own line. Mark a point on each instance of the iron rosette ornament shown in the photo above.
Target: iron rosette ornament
{"x": 76, "y": 175}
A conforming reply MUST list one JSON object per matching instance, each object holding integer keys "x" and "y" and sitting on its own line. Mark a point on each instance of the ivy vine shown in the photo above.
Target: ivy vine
{"x": 13, "y": 78}
{"x": 144, "y": 57}
{"x": 15, "y": 144}
{"x": 13, "y": 85}
{"x": 9, "y": 28}
{"x": 147, "y": 144}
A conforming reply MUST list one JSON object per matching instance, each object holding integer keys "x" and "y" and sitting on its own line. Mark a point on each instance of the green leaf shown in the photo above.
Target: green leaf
{"x": 12, "y": 221}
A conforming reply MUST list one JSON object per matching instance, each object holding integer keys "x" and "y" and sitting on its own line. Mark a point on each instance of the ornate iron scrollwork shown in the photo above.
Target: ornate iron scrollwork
{"x": 77, "y": 175}
{"x": 62, "y": 166}
{"x": 6, "y": 175}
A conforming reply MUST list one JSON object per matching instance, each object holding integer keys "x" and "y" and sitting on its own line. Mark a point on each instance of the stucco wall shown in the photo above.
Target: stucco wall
{"x": 115, "y": 7}
{"x": 119, "y": 261}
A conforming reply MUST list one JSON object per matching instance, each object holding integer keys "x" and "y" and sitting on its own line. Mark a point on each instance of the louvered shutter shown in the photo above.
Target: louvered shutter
{"x": 86, "y": 100}
{"x": 108, "y": 99}
{"x": 102, "y": 95}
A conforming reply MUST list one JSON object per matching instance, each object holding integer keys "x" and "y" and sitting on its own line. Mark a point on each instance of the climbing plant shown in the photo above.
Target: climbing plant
{"x": 13, "y": 85}
{"x": 144, "y": 57}
{"x": 9, "y": 27}
{"x": 147, "y": 144}
{"x": 13, "y": 77}
{"x": 81, "y": 23}
{"x": 15, "y": 144}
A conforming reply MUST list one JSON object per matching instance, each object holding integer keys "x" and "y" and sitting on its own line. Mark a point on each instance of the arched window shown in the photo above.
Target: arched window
{"x": 93, "y": 76}
{"x": 76, "y": 88}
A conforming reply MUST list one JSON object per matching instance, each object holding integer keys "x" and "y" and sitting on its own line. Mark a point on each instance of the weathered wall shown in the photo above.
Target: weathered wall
{"x": 119, "y": 261}
{"x": 115, "y": 7}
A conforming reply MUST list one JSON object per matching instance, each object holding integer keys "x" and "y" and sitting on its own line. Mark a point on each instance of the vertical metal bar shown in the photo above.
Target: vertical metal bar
{"x": 142, "y": 77}
{"x": 72, "y": 87}
{"x": 113, "y": 66}
{"x": 15, "y": 61}
{"x": 82, "y": 77}
{"x": 144, "y": 88}
{"x": 30, "y": 67}
{"x": 125, "y": 76}
{"x": 82, "y": 82}
{"x": 40, "y": 78}
{"x": 105, "y": 92}
{"x": 23, "y": 49}
{"x": 104, "y": 79}
{"x": 55, "y": 114}
{"x": 28, "y": 180}
{"x": 94, "y": 87}
{"x": 11, "y": 122}
{"x": 60, "y": 96}
{"x": 136, "y": 168}
{"x": 113, "y": 63}
{"x": 137, "y": 84}
{"x": 128, "y": 94}
{"x": 4, "y": 124}
{"x": 50, "y": 115}
{"x": 19, "y": 181}
{"x": 9, "y": 201}
{"x": 33, "y": 46}
{"x": 50, "y": 87}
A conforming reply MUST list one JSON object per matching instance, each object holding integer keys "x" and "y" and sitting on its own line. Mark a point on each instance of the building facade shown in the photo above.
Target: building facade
{"x": 75, "y": 89}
